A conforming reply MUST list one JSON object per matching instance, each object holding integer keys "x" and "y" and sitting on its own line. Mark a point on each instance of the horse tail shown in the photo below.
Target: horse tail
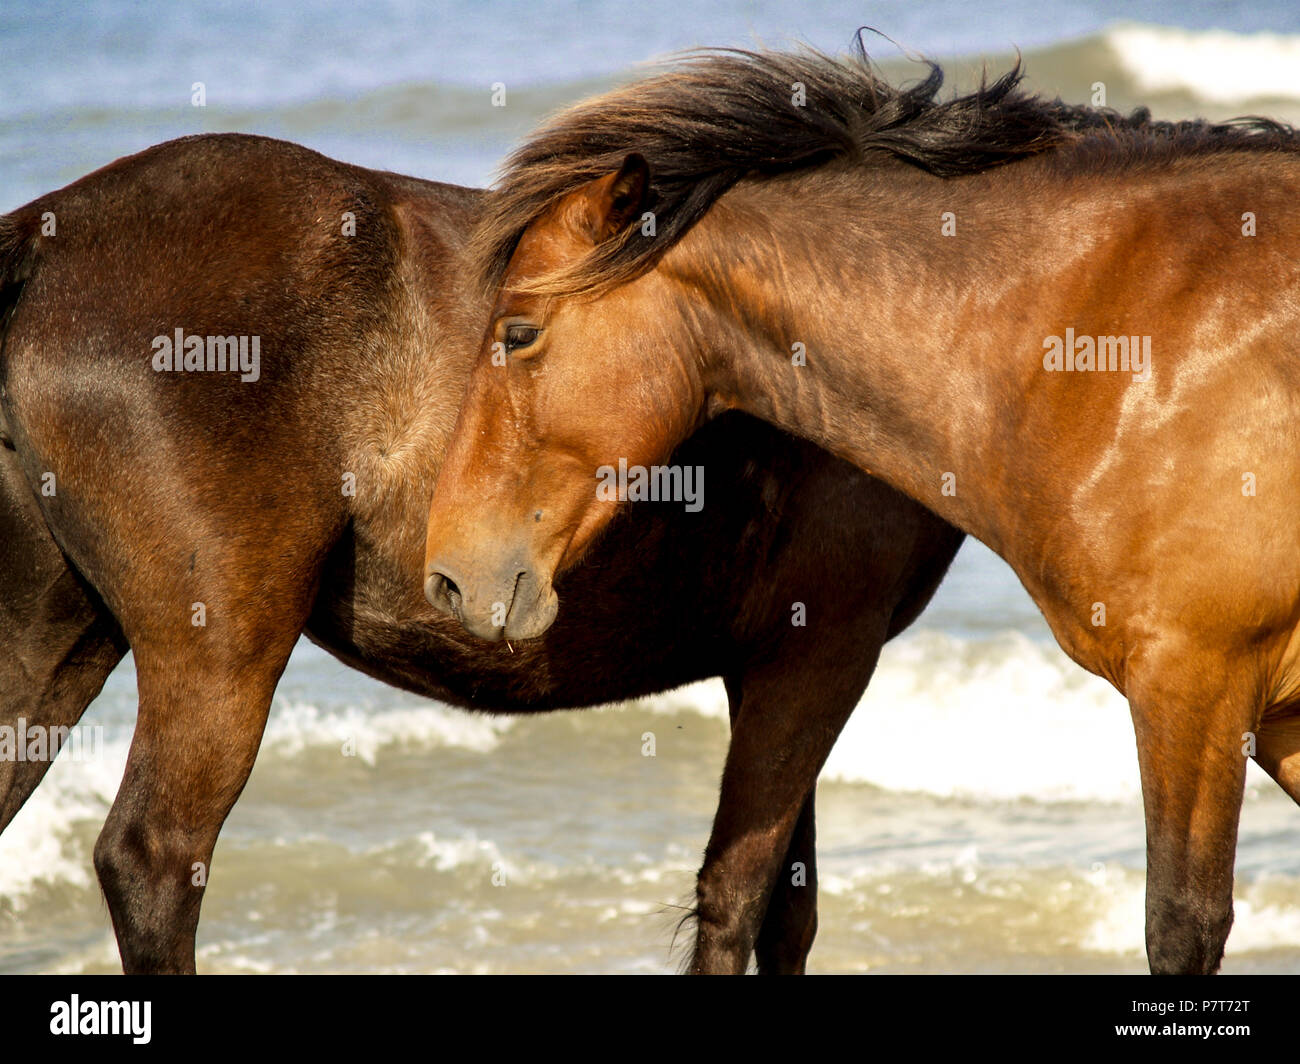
{"x": 18, "y": 233}
{"x": 17, "y": 262}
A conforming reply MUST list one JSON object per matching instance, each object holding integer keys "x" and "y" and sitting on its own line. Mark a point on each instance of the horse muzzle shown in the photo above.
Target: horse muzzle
{"x": 516, "y": 604}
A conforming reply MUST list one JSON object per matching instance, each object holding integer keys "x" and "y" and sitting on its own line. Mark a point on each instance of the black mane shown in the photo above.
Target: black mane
{"x": 721, "y": 116}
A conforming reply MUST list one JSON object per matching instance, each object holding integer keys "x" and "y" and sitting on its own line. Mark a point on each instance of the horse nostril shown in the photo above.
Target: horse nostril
{"x": 442, "y": 593}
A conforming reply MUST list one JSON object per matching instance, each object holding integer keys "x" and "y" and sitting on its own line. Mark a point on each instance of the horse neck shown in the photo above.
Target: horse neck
{"x": 908, "y": 372}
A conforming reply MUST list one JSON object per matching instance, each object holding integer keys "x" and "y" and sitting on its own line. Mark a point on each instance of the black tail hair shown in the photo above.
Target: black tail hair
{"x": 17, "y": 260}
{"x": 17, "y": 255}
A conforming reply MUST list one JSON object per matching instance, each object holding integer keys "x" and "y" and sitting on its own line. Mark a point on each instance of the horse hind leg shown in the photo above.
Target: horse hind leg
{"x": 196, "y": 737}
{"x": 204, "y": 696}
{"x": 58, "y": 643}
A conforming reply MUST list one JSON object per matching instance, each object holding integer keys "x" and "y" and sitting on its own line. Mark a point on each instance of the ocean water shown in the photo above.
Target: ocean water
{"x": 981, "y": 811}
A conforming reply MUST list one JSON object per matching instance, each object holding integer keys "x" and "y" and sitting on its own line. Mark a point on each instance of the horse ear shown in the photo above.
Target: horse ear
{"x": 618, "y": 199}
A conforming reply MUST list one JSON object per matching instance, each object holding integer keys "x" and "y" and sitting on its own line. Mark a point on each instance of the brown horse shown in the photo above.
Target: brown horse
{"x": 205, "y": 517}
{"x": 1073, "y": 338}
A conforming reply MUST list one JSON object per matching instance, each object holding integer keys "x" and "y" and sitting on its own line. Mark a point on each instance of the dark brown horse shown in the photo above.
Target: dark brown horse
{"x": 1073, "y": 337}
{"x": 205, "y": 517}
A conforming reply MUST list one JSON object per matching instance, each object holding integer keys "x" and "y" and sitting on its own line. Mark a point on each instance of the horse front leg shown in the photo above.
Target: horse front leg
{"x": 1191, "y": 736}
{"x": 792, "y": 709}
{"x": 1278, "y": 748}
{"x": 790, "y": 922}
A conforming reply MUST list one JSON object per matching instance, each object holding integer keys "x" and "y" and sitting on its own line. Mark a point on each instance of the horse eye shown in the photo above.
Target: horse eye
{"x": 518, "y": 336}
